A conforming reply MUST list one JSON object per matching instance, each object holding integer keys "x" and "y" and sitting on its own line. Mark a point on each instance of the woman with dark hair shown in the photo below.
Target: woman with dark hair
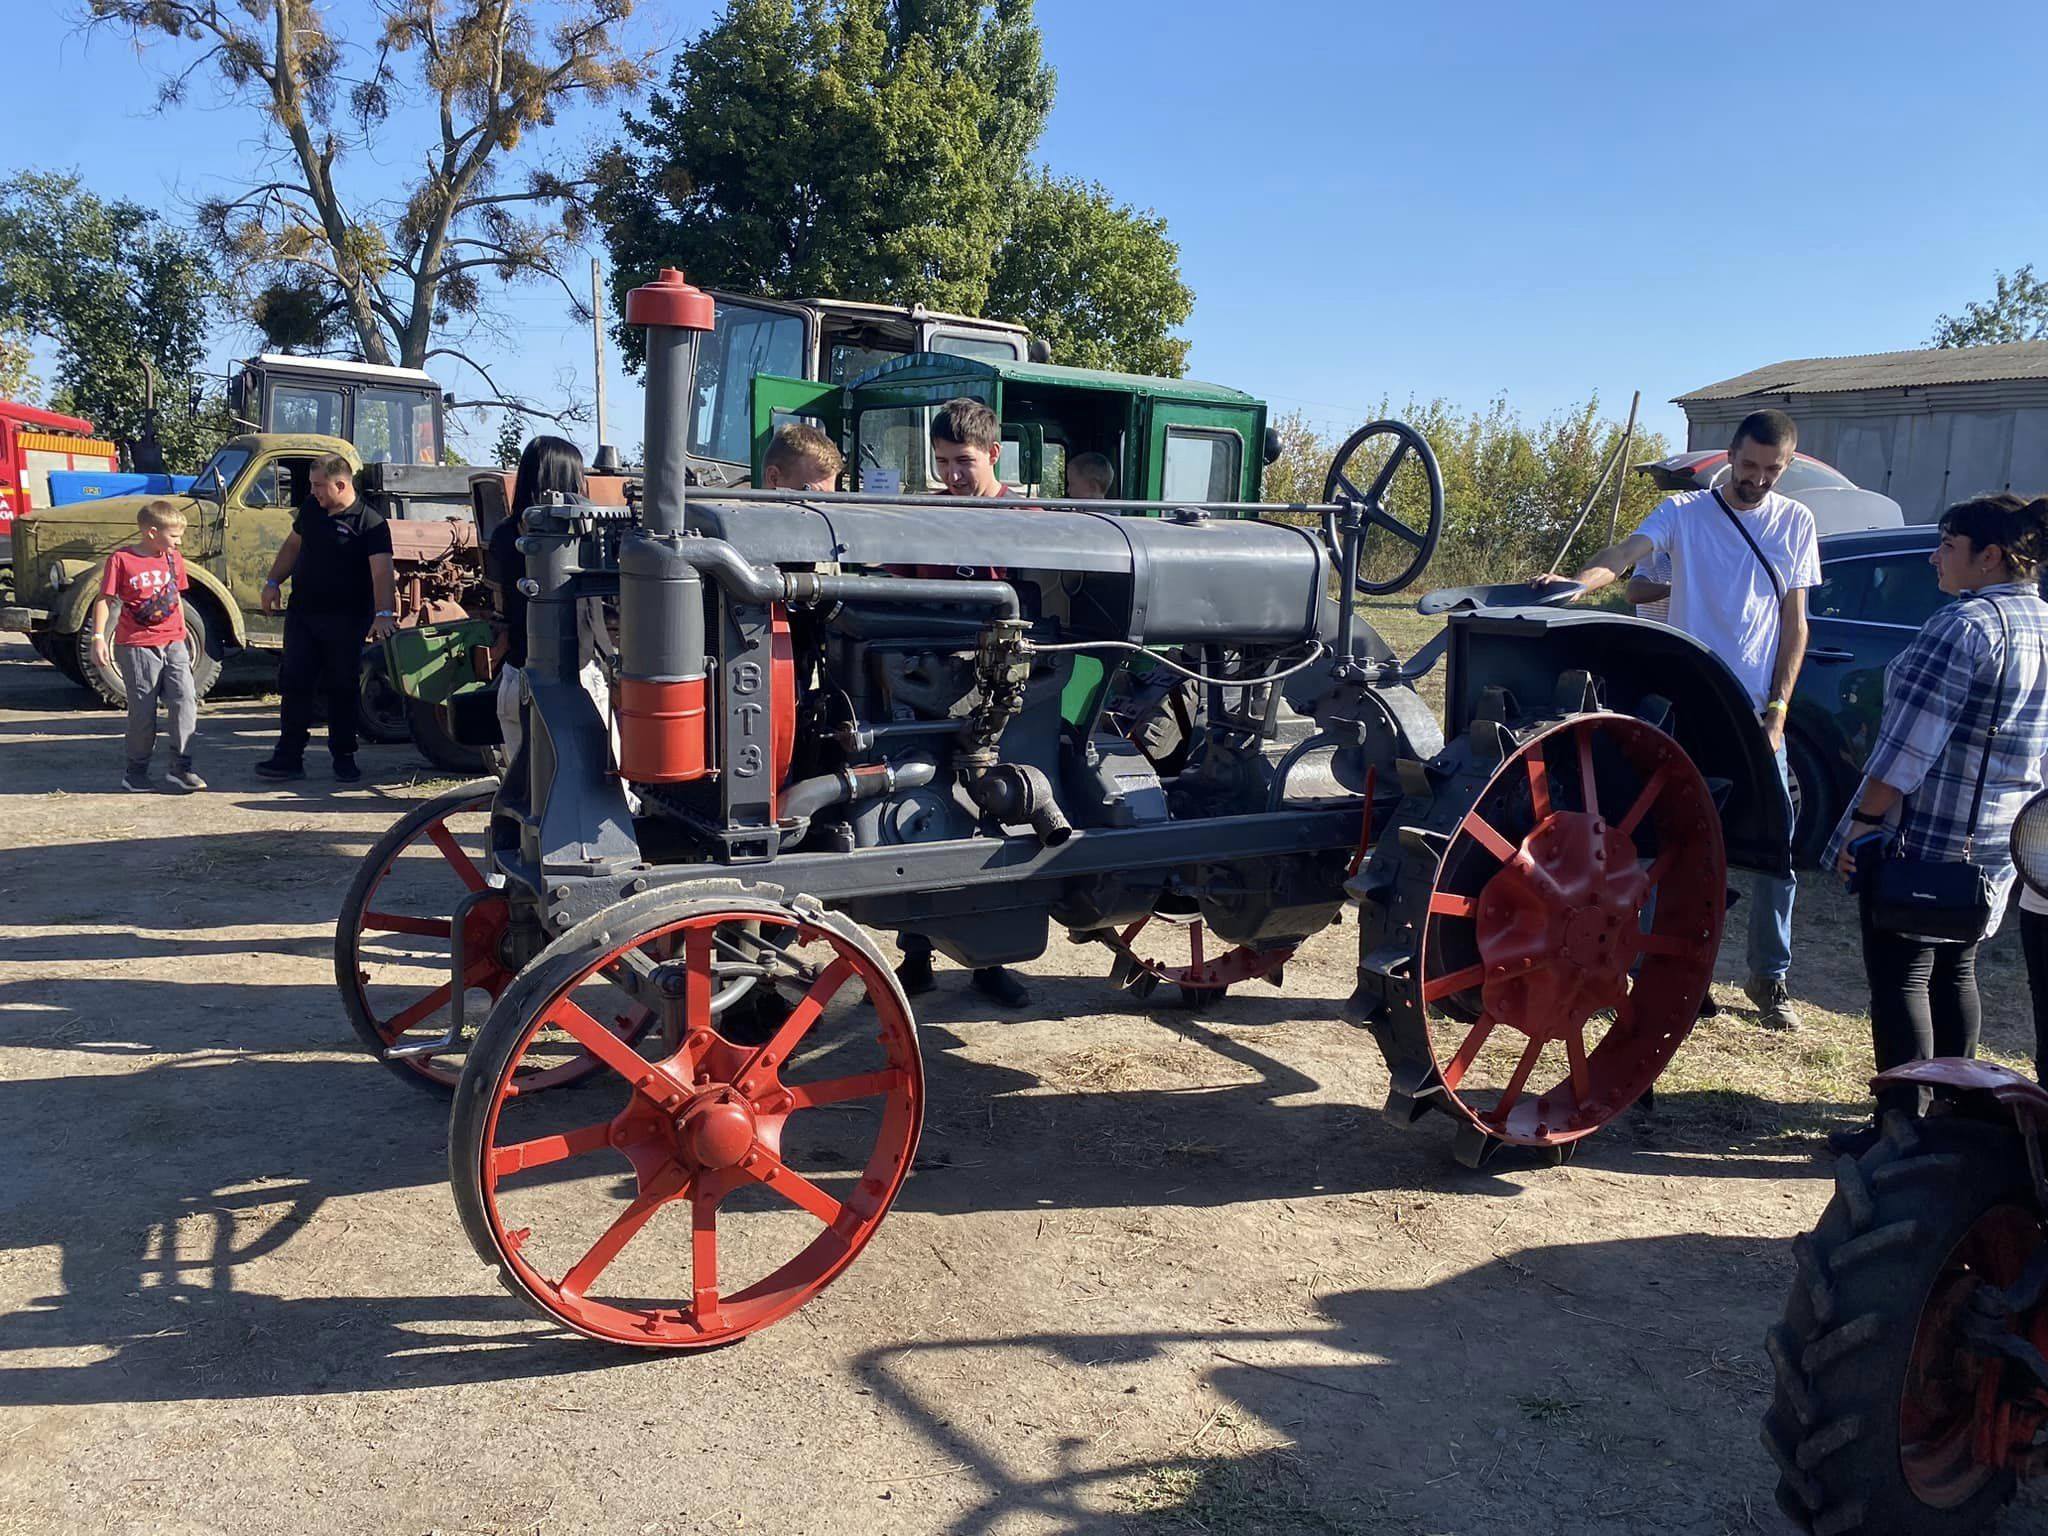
{"x": 1958, "y": 753}
{"x": 547, "y": 464}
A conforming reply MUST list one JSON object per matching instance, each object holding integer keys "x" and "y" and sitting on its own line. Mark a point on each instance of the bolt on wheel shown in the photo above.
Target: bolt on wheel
{"x": 703, "y": 1187}
{"x": 1571, "y": 930}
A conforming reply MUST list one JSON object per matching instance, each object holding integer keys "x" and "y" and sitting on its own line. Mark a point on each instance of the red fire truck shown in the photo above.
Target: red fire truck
{"x": 32, "y": 443}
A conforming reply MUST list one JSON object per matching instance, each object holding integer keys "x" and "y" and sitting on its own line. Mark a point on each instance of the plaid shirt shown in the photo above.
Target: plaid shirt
{"x": 1938, "y": 709}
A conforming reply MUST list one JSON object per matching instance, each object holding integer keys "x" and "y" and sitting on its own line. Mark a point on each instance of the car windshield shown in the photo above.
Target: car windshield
{"x": 218, "y": 472}
{"x": 1801, "y": 477}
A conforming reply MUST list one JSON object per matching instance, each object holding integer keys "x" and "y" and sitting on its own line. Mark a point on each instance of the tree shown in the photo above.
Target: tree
{"x": 879, "y": 150}
{"x": 406, "y": 278}
{"x": 510, "y": 444}
{"x": 2017, "y": 311}
{"x": 117, "y": 291}
{"x": 17, "y": 370}
{"x": 1097, "y": 279}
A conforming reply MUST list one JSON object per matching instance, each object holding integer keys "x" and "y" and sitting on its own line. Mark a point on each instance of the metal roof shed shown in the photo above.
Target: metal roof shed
{"x": 1927, "y": 428}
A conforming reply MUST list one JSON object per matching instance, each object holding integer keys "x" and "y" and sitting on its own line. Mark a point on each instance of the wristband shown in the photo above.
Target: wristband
{"x": 385, "y": 613}
{"x": 1865, "y": 819}
{"x": 272, "y": 581}
{"x": 1775, "y": 707}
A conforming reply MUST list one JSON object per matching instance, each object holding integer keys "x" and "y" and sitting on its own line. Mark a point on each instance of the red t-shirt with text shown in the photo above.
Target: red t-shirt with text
{"x": 139, "y": 581}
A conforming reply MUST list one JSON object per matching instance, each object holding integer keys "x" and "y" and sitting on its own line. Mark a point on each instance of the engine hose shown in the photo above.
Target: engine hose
{"x": 801, "y": 801}
{"x": 1316, "y": 652}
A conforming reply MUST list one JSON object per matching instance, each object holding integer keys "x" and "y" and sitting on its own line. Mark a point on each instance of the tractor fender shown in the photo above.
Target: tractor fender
{"x": 1530, "y": 651}
{"x": 1981, "y": 1088}
{"x": 73, "y": 602}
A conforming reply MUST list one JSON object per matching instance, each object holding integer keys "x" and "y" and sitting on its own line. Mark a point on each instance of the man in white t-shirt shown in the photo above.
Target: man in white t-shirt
{"x": 1744, "y": 598}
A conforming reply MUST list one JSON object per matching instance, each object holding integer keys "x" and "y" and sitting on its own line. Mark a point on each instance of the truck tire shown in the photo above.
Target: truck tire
{"x": 381, "y": 712}
{"x": 430, "y": 735}
{"x": 1858, "y": 1447}
{"x": 1815, "y": 807}
{"x": 105, "y": 681}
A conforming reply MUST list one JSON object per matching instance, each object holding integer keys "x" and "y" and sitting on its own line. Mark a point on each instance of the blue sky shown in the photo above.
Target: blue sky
{"x": 1455, "y": 200}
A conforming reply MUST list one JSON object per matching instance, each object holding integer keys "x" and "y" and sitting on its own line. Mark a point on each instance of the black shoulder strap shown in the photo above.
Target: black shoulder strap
{"x": 1991, "y": 737}
{"x": 1756, "y": 549}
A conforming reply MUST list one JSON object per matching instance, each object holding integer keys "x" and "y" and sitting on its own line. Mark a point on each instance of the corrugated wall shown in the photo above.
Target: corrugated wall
{"x": 1925, "y": 448}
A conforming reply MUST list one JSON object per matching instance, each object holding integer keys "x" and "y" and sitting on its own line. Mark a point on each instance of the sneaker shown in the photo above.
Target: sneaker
{"x": 915, "y": 973}
{"x": 1773, "y": 1002}
{"x": 1001, "y": 987}
{"x": 185, "y": 780}
{"x": 346, "y": 771}
{"x": 1853, "y": 1143}
{"x": 137, "y": 781}
{"x": 278, "y": 768}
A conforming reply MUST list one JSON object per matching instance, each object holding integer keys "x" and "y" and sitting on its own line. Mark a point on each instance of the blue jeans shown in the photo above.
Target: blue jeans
{"x": 1770, "y": 908}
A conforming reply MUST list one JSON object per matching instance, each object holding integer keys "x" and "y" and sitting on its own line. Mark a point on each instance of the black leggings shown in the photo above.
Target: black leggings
{"x": 2034, "y": 943}
{"x": 1923, "y": 1004}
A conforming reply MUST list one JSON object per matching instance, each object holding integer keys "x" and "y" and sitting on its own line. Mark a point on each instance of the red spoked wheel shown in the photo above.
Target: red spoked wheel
{"x": 1571, "y": 930}
{"x": 721, "y": 1185}
{"x": 395, "y": 937}
{"x": 1147, "y": 957}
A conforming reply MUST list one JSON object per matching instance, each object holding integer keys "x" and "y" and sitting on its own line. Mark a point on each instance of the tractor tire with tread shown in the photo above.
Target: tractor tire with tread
{"x": 430, "y": 734}
{"x": 1845, "y": 1349}
{"x": 106, "y": 682}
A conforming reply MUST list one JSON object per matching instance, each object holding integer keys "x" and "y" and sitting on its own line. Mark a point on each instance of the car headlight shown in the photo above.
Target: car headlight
{"x": 55, "y": 575}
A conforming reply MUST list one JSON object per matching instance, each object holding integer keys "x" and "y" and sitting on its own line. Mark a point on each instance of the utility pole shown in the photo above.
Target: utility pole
{"x": 1628, "y": 438}
{"x": 607, "y": 461}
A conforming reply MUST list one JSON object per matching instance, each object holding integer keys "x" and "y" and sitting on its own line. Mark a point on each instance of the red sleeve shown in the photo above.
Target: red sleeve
{"x": 178, "y": 564}
{"x": 109, "y": 578}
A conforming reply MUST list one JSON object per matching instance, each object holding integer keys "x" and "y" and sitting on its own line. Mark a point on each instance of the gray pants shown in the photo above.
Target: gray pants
{"x": 151, "y": 673}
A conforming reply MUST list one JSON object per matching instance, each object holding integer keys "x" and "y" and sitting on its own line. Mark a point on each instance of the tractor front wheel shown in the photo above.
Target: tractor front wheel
{"x": 703, "y": 1187}
{"x": 1893, "y": 1412}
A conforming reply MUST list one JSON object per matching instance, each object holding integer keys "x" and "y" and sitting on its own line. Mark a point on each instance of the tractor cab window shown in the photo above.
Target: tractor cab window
{"x": 846, "y": 360}
{"x": 893, "y": 451}
{"x": 285, "y": 483}
{"x": 396, "y": 426}
{"x": 744, "y": 342}
{"x": 987, "y": 349}
{"x": 305, "y": 408}
{"x": 218, "y": 472}
{"x": 1200, "y": 466}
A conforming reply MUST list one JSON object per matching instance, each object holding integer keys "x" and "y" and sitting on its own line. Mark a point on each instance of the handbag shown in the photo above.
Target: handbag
{"x": 160, "y": 604}
{"x": 1946, "y": 900}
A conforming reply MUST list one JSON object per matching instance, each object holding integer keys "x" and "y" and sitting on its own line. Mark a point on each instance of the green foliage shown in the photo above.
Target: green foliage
{"x": 111, "y": 285}
{"x": 877, "y": 150}
{"x": 1099, "y": 280}
{"x": 1511, "y": 490}
{"x": 17, "y": 371}
{"x": 511, "y": 442}
{"x": 2016, "y": 311}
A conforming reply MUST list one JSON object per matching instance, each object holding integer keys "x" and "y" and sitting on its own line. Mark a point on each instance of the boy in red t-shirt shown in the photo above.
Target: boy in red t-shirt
{"x": 150, "y": 643}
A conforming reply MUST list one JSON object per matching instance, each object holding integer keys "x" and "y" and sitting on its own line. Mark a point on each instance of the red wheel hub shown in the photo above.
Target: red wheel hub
{"x": 1556, "y": 927}
{"x": 716, "y": 1131}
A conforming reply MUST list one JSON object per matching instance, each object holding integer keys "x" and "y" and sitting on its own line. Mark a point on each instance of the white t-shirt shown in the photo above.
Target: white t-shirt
{"x": 1719, "y": 593}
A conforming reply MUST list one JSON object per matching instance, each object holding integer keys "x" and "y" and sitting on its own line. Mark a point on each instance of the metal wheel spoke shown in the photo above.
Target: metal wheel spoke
{"x": 609, "y": 1246}
{"x": 1457, "y": 981}
{"x": 1195, "y": 946}
{"x": 1659, "y": 868}
{"x": 1134, "y": 930}
{"x": 704, "y": 1256}
{"x": 1380, "y": 517}
{"x": 794, "y": 1187}
{"x": 1468, "y": 1051}
{"x": 806, "y": 1013}
{"x": 427, "y": 1005}
{"x": 1655, "y": 787}
{"x": 608, "y": 1048}
{"x": 697, "y": 979}
{"x": 1388, "y": 470}
{"x": 1588, "y": 789}
{"x": 838, "y": 1090}
{"x": 1575, "y": 1054}
{"x": 542, "y": 1150}
{"x": 1513, "y": 1091}
{"x": 1489, "y": 837}
{"x": 391, "y": 922}
{"x": 1451, "y": 904}
{"x": 1351, "y": 490}
{"x": 465, "y": 870}
{"x": 1539, "y": 783}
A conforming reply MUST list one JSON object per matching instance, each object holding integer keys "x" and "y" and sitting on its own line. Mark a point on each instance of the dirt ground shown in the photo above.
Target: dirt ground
{"x": 1155, "y": 1272}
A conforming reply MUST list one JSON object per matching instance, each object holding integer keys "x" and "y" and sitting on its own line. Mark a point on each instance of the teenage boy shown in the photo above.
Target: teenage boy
{"x": 801, "y": 458}
{"x": 967, "y": 444}
{"x": 1740, "y": 560}
{"x": 1091, "y": 477}
{"x": 338, "y": 560}
{"x": 151, "y": 647}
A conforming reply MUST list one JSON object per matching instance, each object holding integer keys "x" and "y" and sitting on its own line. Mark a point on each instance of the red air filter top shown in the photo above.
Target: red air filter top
{"x": 670, "y": 300}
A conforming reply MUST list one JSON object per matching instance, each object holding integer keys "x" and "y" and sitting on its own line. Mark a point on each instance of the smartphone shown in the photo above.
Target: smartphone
{"x": 1864, "y": 853}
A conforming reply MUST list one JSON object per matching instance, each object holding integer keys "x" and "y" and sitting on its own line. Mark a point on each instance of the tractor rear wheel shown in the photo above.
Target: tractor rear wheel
{"x": 1887, "y": 1417}
{"x": 1541, "y": 929}
{"x": 702, "y": 1188}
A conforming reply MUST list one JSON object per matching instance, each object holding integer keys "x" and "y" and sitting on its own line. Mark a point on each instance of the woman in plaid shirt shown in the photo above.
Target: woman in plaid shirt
{"x": 1942, "y": 695}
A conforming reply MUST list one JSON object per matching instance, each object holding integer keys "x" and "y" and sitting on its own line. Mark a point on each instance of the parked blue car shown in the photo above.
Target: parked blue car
{"x": 1877, "y": 588}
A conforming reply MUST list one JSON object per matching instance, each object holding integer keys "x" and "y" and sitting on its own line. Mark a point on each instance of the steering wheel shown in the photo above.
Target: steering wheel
{"x": 1339, "y": 485}
{"x": 1514, "y": 594}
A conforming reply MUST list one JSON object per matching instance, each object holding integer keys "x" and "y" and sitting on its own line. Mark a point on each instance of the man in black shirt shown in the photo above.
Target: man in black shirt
{"x": 338, "y": 560}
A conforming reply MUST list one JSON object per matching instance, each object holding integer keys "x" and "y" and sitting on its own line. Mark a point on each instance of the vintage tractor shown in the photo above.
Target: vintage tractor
{"x": 1912, "y": 1383}
{"x": 810, "y": 741}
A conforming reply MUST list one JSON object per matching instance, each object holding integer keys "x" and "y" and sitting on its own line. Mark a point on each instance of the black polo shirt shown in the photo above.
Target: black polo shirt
{"x": 332, "y": 575}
